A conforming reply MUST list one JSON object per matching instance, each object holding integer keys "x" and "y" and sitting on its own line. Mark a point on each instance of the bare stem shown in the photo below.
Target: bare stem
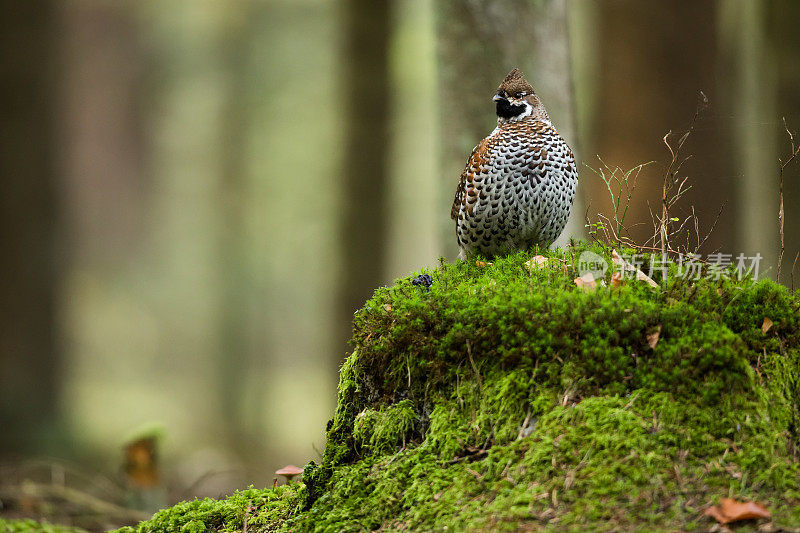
{"x": 792, "y": 154}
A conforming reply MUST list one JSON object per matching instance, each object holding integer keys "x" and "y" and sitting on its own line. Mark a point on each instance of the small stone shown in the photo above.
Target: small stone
{"x": 424, "y": 279}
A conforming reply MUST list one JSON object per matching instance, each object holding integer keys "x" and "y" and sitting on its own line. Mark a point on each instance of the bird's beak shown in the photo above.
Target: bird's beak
{"x": 497, "y": 97}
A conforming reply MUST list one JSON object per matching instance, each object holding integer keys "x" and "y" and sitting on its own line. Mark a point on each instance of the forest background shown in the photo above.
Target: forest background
{"x": 197, "y": 195}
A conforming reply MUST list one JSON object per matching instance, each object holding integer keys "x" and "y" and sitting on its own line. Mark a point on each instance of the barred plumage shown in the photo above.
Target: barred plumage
{"x": 519, "y": 183}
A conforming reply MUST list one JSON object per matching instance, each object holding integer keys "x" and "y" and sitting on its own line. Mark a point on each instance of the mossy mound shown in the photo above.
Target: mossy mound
{"x": 261, "y": 509}
{"x": 505, "y": 397}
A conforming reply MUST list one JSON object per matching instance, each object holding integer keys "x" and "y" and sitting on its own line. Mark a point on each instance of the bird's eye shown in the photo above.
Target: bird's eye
{"x": 519, "y": 95}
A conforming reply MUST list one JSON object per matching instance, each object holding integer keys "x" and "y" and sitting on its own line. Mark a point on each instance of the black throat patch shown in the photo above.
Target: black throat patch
{"x": 506, "y": 110}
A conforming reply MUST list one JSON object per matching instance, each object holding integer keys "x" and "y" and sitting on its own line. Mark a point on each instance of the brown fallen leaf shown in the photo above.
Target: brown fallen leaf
{"x": 481, "y": 264}
{"x": 586, "y": 282}
{"x": 141, "y": 463}
{"x": 766, "y": 325}
{"x": 616, "y": 279}
{"x": 536, "y": 263}
{"x": 627, "y": 267}
{"x": 730, "y": 510}
{"x": 653, "y": 336}
{"x": 387, "y": 307}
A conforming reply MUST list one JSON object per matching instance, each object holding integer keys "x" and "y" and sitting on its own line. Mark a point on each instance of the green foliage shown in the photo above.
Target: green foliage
{"x": 506, "y": 397}
{"x": 620, "y": 185}
{"x": 31, "y": 526}
{"x": 264, "y": 509}
{"x": 382, "y": 431}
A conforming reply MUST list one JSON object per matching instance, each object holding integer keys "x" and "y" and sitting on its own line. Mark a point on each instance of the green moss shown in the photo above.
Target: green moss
{"x": 382, "y": 431}
{"x": 264, "y": 510}
{"x": 31, "y": 526}
{"x": 506, "y": 397}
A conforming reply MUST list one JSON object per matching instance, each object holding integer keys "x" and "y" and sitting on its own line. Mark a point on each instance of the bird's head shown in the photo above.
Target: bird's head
{"x": 516, "y": 100}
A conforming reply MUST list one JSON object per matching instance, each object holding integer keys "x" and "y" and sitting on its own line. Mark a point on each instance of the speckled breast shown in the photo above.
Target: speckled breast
{"x": 516, "y": 190}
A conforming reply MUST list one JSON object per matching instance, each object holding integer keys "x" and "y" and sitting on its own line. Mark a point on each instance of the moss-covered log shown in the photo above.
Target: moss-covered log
{"x": 505, "y": 397}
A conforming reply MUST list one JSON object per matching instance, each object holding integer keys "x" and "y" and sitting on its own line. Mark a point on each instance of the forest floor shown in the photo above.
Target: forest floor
{"x": 516, "y": 394}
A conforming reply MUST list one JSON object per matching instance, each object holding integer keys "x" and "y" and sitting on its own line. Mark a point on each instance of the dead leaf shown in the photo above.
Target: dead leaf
{"x": 766, "y": 325}
{"x": 616, "y": 279}
{"x": 536, "y": 263}
{"x": 627, "y": 267}
{"x": 586, "y": 282}
{"x": 730, "y": 510}
{"x": 653, "y": 336}
{"x": 476, "y": 475}
{"x": 569, "y": 480}
{"x": 387, "y": 307}
{"x": 141, "y": 465}
{"x": 641, "y": 276}
{"x": 481, "y": 264}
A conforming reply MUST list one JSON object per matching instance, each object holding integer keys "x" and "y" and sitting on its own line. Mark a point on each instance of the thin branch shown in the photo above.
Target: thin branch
{"x": 714, "y": 225}
{"x": 793, "y": 153}
{"x": 474, "y": 366}
{"x": 670, "y": 251}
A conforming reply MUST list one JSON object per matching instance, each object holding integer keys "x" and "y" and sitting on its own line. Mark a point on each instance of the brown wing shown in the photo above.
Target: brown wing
{"x": 466, "y": 184}
{"x": 459, "y": 199}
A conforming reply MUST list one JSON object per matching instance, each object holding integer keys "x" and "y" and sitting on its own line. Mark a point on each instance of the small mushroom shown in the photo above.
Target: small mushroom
{"x": 289, "y": 471}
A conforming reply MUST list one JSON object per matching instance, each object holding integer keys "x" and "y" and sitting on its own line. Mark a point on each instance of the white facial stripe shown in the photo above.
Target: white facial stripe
{"x": 526, "y": 113}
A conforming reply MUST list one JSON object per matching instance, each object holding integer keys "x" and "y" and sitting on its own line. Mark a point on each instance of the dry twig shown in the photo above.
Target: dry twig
{"x": 792, "y": 154}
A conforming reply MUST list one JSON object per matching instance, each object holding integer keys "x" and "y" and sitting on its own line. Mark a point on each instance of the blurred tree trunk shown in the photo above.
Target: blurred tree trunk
{"x": 784, "y": 41}
{"x": 743, "y": 39}
{"x": 416, "y": 189}
{"x": 656, "y": 58}
{"x": 30, "y": 365}
{"x": 103, "y": 128}
{"x": 480, "y": 42}
{"x": 366, "y": 153}
{"x": 235, "y": 282}
{"x": 583, "y": 36}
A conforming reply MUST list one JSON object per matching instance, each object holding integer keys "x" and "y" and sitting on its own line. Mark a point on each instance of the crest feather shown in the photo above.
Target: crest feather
{"x": 515, "y": 82}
